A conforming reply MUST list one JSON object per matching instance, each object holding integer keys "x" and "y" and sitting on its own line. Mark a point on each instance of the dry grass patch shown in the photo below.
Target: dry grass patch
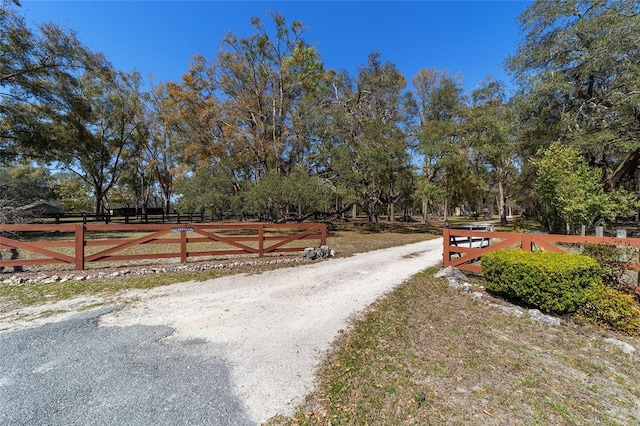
{"x": 430, "y": 355}
{"x": 349, "y": 238}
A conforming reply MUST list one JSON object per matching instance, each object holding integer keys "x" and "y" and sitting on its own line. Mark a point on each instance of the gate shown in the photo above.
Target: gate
{"x": 120, "y": 242}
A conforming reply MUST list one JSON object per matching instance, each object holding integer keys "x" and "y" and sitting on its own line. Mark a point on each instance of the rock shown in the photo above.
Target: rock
{"x": 539, "y": 316}
{"x": 465, "y": 288}
{"x": 451, "y": 273}
{"x": 509, "y": 309}
{"x": 325, "y": 252}
{"x": 310, "y": 253}
{"x": 624, "y": 346}
{"x": 476, "y": 295}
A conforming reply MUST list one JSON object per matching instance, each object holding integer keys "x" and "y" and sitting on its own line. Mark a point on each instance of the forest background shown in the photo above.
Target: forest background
{"x": 264, "y": 129}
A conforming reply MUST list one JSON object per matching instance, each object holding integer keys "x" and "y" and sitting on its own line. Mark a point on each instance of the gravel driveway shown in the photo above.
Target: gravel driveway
{"x": 234, "y": 350}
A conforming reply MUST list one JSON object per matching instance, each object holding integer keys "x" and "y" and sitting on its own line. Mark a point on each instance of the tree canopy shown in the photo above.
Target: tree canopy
{"x": 262, "y": 128}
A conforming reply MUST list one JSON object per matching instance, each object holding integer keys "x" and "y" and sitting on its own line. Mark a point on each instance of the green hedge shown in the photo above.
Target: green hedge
{"x": 555, "y": 283}
{"x": 611, "y": 308}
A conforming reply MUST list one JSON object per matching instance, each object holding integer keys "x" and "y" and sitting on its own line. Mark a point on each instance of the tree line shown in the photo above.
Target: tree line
{"x": 264, "y": 128}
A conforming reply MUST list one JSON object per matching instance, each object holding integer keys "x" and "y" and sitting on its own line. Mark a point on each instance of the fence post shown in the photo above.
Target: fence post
{"x": 324, "y": 234}
{"x": 79, "y": 250}
{"x": 183, "y": 247}
{"x": 527, "y": 243}
{"x": 261, "y": 240}
{"x": 446, "y": 241}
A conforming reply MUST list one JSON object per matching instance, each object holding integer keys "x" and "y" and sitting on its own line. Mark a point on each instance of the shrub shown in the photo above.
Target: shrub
{"x": 555, "y": 283}
{"x": 611, "y": 308}
{"x": 608, "y": 257}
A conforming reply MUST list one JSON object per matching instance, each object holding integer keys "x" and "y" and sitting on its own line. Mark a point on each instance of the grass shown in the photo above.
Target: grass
{"x": 427, "y": 354}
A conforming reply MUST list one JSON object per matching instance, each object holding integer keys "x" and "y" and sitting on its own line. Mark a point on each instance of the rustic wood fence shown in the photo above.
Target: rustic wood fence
{"x": 464, "y": 248}
{"x": 40, "y": 244}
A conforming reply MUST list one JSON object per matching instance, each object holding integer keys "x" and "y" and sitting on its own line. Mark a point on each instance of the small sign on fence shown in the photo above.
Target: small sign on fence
{"x": 182, "y": 229}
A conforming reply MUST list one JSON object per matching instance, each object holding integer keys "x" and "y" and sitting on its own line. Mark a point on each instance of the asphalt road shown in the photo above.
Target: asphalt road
{"x": 76, "y": 373}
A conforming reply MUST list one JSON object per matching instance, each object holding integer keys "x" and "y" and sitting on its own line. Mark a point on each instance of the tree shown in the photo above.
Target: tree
{"x": 24, "y": 183}
{"x": 161, "y": 155}
{"x": 73, "y": 193}
{"x": 38, "y": 71}
{"x": 429, "y": 194}
{"x": 437, "y": 106}
{"x": 280, "y": 198}
{"x": 488, "y": 125}
{"x": 20, "y": 185}
{"x": 570, "y": 192}
{"x": 209, "y": 189}
{"x": 369, "y": 152}
{"x": 578, "y": 66}
{"x": 245, "y": 113}
{"x": 263, "y": 79}
{"x": 104, "y": 135}
{"x": 243, "y": 109}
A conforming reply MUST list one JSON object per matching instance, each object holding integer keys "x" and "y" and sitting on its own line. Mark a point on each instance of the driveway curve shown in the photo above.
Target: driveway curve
{"x": 252, "y": 340}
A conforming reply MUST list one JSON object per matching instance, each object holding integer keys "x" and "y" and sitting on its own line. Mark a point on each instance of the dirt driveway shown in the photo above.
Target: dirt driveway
{"x": 271, "y": 329}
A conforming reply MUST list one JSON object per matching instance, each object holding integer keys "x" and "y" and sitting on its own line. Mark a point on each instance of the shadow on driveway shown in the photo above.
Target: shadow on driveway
{"x": 76, "y": 373}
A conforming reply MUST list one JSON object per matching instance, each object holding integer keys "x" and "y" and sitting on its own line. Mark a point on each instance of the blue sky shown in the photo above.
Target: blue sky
{"x": 158, "y": 38}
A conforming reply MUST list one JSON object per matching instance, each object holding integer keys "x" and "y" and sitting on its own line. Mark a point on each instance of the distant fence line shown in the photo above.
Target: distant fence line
{"x": 126, "y": 218}
{"x": 190, "y": 240}
{"x": 59, "y": 218}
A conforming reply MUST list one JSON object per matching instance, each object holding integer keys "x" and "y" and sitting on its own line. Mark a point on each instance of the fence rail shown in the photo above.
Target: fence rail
{"x": 189, "y": 240}
{"x": 465, "y": 256}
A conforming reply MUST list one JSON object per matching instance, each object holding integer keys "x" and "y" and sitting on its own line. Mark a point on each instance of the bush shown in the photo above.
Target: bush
{"x": 555, "y": 283}
{"x": 611, "y": 308}
{"x": 608, "y": 257}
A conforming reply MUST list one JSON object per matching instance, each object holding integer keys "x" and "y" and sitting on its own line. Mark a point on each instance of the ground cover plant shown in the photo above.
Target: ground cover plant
{"x": 428, "y": 354}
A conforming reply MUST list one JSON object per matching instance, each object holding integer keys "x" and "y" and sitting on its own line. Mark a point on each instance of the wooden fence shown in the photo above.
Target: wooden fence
{"x": 464, "y": 248}
{"x": 107, "y": 218}
{"x": 118, "y": 242}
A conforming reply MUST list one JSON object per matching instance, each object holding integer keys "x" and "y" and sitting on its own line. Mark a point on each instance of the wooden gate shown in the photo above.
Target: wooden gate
{"x": 462, "y": 250}
{"x": 83, "y": 243}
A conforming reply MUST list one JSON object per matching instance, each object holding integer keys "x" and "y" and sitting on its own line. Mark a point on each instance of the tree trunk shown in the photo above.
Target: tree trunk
{"x": 392, "y": 212}
{"x": 626, "y": 169}
{"x": 372, "y": 211}
{"x": 99, "y": 199}
{"x": 502, "y": 203}
{"x": 354, "y": 211}
{"x": 425, "y": 205}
